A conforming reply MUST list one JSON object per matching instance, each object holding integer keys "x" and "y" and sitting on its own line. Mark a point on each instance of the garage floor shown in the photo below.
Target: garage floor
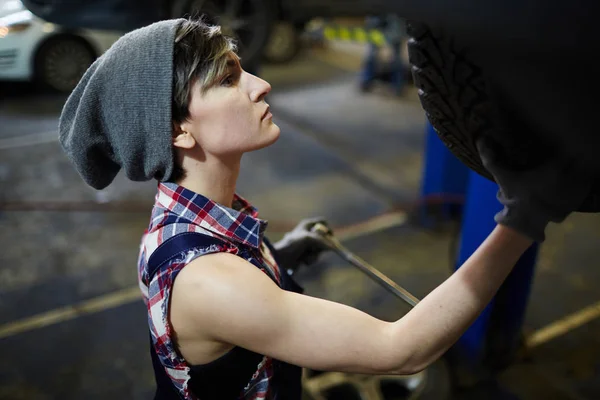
{"x": 71, "y": 322}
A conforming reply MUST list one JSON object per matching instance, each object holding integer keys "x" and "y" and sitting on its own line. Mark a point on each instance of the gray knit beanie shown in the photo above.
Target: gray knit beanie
{"x": 119, "y": 115}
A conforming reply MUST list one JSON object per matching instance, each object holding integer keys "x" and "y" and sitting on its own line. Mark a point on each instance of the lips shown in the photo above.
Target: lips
{"x": 266, "y": 113}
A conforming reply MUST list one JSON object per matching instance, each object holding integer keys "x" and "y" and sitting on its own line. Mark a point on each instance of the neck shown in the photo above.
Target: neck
{"x": 214, "y": 178}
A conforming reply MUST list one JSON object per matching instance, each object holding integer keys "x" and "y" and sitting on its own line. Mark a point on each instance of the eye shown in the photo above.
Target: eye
{"x": 228, "y": 80}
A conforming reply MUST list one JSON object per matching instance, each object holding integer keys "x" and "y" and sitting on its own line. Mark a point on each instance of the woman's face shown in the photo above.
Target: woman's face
{"x": 231, "y": 118}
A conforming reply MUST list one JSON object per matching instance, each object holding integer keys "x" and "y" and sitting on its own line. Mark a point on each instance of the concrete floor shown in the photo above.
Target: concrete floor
{"x": 342, "y": 155}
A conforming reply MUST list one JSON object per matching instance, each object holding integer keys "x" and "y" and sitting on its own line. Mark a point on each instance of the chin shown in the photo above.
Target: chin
{"x": 276, "y": 132}
{"x": 266, "y": 137}
{"x": 271, "y": 136}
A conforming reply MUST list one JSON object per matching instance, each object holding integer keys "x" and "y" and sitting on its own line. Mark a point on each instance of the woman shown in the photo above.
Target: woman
{"x": 171, "y": 102}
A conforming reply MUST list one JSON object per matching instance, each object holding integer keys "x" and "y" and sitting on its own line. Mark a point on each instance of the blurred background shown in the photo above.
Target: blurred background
{"x": 355, "y": 147}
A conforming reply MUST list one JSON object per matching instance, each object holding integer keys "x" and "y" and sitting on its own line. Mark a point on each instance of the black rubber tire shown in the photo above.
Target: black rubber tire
{"x": 283, "y": 34}
{"x": 456, "y": 97}
{"x": 250, "y": 43}
{"x": 54, "y": 77}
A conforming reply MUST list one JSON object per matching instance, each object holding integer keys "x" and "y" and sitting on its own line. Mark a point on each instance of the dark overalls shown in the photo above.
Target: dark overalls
{"x": 226, "y": 377}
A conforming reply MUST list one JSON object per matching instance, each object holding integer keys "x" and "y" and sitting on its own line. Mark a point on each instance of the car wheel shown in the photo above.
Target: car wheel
{"x": 434, "y": 383}
{"x": 61, "y": 62}
{"x": 456, "y": 96}
{"x": 283, "y": 44}
{"x": 248, "y": 21}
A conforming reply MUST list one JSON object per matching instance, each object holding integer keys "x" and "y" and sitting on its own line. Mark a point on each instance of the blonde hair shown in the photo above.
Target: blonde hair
{"x": 201, "y": 55}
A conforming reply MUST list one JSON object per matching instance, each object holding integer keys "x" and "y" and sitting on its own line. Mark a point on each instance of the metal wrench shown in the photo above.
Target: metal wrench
{"x": 331, "y": 241}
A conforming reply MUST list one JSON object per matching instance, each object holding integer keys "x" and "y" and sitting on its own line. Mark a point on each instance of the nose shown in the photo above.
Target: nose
{"x": 258, "y": 88}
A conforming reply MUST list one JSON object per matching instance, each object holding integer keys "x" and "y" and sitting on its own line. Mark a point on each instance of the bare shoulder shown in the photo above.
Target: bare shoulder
{"x": 216, "y": 287}
{"x": 216, "y": 272}
{"x": 210, "y": 295}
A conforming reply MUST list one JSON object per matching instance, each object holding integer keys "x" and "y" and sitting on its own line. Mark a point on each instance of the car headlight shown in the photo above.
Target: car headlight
{"x": 17, "y": 22}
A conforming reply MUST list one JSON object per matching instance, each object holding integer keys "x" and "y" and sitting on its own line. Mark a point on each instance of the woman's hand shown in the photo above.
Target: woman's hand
{"x": 300, "y": 245}
{"x": 533, "y": 198}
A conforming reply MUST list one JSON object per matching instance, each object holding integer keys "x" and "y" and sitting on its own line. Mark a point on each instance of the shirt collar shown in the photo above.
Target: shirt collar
{"x": 240, "y": 223}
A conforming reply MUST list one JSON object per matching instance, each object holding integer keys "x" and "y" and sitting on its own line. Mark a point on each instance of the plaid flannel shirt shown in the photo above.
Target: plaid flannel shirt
{"x": 178, "y": 210}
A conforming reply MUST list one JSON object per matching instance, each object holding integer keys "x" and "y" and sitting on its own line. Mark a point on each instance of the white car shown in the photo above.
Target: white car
{"x": 33, "y": 49}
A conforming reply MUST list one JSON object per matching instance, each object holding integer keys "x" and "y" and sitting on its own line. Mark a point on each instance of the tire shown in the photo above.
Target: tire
{"x": 61, "y": 62}
{"x": 437, "y": 385}
{"x": 432, "y": 384}
{"x": 457, "y": 100}
{"x": 248, "y": 21}
{"x": 283, "y": 44}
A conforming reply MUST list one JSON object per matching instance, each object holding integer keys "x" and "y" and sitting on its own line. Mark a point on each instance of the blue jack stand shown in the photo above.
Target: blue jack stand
{"x": 492, "y": 341}
{"x": 444, "y": 182}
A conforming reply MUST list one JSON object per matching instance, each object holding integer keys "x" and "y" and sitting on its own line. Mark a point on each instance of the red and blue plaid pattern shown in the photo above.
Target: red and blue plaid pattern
{"x": 177, "y": 210}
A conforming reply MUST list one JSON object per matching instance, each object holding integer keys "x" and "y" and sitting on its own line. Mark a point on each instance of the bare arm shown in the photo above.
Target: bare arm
{"x": 225, "y": 299}
{"x": 441, "y": 318}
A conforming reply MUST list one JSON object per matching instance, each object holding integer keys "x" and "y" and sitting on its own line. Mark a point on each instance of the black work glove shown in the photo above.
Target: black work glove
{"x": 300, "y": 245}
{"x": 533, "y": 198}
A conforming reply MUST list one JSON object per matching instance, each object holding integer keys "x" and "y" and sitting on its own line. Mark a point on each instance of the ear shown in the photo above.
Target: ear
{"x": 181, "y": 138}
